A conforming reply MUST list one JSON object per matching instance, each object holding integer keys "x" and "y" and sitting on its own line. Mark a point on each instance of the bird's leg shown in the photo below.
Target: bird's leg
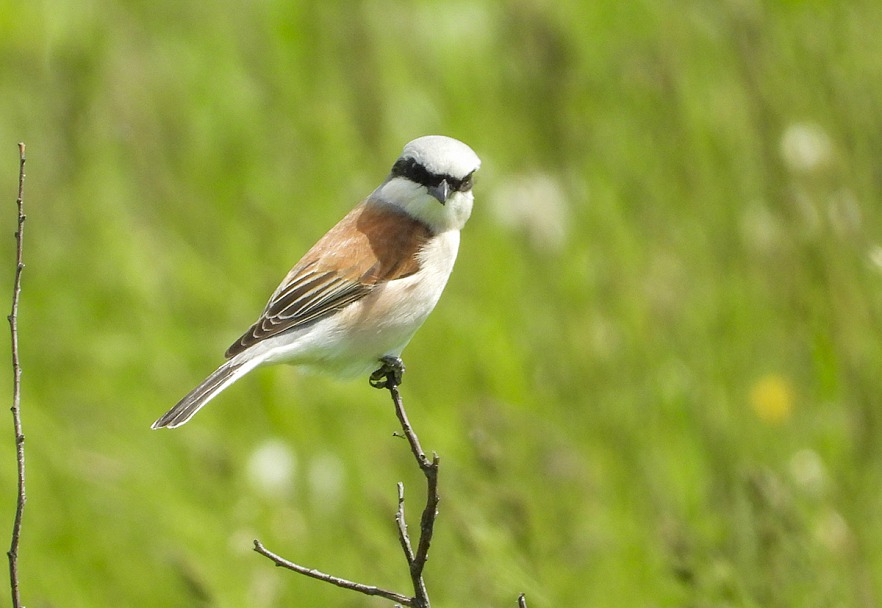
{"x": 389, "y": 374}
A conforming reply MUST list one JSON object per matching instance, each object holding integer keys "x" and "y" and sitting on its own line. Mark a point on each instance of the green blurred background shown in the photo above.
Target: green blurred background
{"x": 654, "y": 378}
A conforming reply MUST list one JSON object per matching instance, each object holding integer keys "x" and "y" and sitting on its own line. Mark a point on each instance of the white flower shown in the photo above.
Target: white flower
{"x": 805, "y": 147}
{"x": 875, "y": 256}
{"x": 271, "y": 468}
{"x": 326, "y": 477}
{"x": 534, "y": 204}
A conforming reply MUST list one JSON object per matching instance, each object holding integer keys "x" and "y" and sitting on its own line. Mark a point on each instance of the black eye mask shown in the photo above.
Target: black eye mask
{"x": 415, "y": 172}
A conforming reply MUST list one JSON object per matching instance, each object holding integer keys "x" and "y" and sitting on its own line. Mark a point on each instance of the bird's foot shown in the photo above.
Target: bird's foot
{"x": 389, "y": 374}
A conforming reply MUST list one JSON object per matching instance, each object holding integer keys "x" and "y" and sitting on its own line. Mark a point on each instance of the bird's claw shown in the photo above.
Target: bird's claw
{"x": 390, "y": 373}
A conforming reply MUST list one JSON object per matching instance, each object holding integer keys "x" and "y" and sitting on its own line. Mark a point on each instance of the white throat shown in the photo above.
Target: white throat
{"x": 414, "y": 200}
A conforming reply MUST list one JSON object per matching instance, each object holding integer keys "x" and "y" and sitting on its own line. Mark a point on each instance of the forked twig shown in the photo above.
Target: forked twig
{"x": 430, "y": 512}
{"x": 416, "y": 560}
{"x": 16, "y": 387}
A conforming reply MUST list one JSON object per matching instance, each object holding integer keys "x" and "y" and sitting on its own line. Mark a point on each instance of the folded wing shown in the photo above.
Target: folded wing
{"x": 373, "y": 244}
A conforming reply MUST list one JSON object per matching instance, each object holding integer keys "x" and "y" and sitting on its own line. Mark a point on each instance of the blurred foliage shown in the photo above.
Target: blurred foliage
{"x": 653, "y": 379}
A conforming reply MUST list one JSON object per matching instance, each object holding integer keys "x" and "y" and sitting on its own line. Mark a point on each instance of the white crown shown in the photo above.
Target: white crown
{"x": 442, "y": 155}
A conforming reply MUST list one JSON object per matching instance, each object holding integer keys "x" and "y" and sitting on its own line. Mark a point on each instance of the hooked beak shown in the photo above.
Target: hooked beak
{"x": 441, "y": 191}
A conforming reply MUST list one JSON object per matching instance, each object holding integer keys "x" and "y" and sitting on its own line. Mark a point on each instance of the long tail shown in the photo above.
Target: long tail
{"x": 220, "y": 379}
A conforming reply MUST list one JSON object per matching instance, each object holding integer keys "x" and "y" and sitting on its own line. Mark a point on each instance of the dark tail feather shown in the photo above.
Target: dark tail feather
{"x": 220, "y": 379}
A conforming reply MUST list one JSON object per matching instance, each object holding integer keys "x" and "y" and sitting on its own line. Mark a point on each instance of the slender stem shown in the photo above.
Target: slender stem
{"x": 416, "y": 560}
{"x": 403, "y": 536}
{"x": 430, "y": 512}
{"x": 334, "y": 580}
{"x": 415, "y": 447}
{"x": 16, "y": 388}
{"x": 522, "y": 601}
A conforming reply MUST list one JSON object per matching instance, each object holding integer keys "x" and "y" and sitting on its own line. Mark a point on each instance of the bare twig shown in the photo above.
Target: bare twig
{"x": 16, "y": 387}
{"x": 416, "y": 560}
{"x": 522, "y": 601}
{"x": 412, "y": 439}
{"x": 403, "y": 537}
{"x": 339, "y": 582}
{"x": 430, "y": 512}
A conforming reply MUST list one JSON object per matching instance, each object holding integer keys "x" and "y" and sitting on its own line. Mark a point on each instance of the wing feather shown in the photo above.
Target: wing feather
{"x": 375, "y": 243}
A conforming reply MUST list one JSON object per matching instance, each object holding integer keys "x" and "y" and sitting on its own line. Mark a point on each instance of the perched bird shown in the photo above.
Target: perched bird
{"x": 355, "y": 300}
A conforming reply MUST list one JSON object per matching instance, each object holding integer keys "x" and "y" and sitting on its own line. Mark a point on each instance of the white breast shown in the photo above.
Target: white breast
{"x": 350, "y": 342}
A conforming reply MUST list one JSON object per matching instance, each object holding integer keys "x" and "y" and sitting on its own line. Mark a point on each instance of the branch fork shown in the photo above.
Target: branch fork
{"x": 389, "y": 377}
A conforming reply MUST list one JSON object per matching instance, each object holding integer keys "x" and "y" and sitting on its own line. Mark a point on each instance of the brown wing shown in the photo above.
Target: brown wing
{"x": 373, "y": 244}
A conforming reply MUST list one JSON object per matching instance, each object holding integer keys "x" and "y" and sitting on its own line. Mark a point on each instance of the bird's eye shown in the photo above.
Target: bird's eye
{"x": 466, "y": 184}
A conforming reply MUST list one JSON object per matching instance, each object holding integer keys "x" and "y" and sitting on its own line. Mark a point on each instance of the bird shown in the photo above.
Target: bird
{"x": 358, "y": 296}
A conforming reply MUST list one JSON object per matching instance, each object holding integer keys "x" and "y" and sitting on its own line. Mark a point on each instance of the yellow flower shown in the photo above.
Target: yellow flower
{"x": 772, "y": 398}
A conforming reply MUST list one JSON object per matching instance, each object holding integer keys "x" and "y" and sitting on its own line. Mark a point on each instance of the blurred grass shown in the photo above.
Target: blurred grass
{"x": 653, "y": 379}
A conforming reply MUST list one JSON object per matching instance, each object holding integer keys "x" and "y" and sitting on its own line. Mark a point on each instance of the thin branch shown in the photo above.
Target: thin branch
{"x": 416, "y": 560}
{"x": 430, "y": 512}
{"x": 403, "y": 537}
{"x": 415, "y": 447}
{"x": 522, "y": 601}
{"x": 16, "y": 387}
{"x": 339, "y": 582}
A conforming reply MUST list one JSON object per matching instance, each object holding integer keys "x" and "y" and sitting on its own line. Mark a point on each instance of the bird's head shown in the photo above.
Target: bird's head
{"x": 432, "y": 181}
